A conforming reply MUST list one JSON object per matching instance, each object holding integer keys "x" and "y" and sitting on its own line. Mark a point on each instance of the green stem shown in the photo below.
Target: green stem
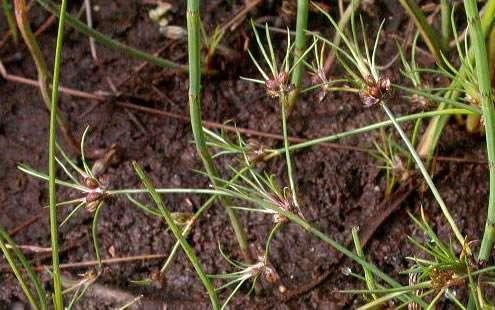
{"x": 194, "y": 46}
{"x": 165, "y": 191}
{"x": 7, "y": 9}
{"x": 425, "y": 174}
{"x": 300, "y": 47}
{"x": 431, "y": 37}
{"x": 334, "y": 137}
{"x": 178, "y": 235}
{"x": 486, "y": 100}
{"x": 109, "y": 42}
{"x": 94, "y": 232}
{"x": 52, "y": 166}
{"x": 288, "y": 159}
{"x": 370, "y": 281}
{"x": 446, "y": 10}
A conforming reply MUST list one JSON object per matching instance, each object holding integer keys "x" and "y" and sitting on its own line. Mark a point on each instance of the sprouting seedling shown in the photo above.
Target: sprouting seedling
{"x": 211, "y": 42}
{"x": 245, "y": 272}
{"x": 277, "y": 80}
{"x": 361, "y": 67}
{"x": 392, "y": 159}
{"x": 439, "y": 265}
{"x": 93, "y": 193}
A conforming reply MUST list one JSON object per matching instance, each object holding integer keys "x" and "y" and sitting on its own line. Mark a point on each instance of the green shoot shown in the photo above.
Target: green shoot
{"x": 194, "y": 44}
{"x": 391, "y": 157}
{"x": 52, "y": 165}
{"x": 211, "y": 43}
{"x": 430, "y": 138}
{"x": 370, "y": 281}
{"x": 166, "y": 214}
{"x": 299, "y": 51}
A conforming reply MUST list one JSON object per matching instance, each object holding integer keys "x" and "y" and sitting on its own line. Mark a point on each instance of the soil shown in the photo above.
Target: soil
{"x": 339, "y": 188}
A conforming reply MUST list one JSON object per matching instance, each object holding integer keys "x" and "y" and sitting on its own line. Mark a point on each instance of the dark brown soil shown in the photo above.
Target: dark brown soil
{"x": 339, "y": 189}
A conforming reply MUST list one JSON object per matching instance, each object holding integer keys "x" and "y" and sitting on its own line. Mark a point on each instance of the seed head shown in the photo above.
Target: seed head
{"x": 94, "y": 199}
{"x": 375, "y": 90}
{"x": 319, "y": 78}
{"x": 271, "y": 276}
{"x": 279, "y": 85}
{"x": 91, "y": 183}
{"x": 441, "y": 279}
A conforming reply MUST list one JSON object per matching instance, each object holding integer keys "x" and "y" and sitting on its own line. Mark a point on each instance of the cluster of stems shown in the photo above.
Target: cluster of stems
{"x": 373, "y": 89}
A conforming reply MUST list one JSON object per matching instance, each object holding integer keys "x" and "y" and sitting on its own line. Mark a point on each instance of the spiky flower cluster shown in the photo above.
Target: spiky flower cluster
{"x": 374, "y": 90}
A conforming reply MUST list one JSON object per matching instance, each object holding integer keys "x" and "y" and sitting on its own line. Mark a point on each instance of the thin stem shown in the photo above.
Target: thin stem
{"x": 300, "y": 47}
{"x": 486, "y": 101}
{"x": 446, "y": 10}
{"x": 194, "y": 45}
{"x": 173, "y": 253}
{"x": 178, "y": 235}
{"x": 425, "y": 174}
{"x": 364, "y": 129}
{"x": 16, "y": 260}
{"x": 94, "y": 232}
{"x": 290, "y": 168}
{"x": 344, "y": 19}
{"x": 166, "y": 191}
{"x": 370, "y": 282}
{"x": 52, "y": 166}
